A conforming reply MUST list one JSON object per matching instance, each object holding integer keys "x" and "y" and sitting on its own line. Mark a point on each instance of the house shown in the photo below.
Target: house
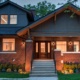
{"x": 55, "y": 36}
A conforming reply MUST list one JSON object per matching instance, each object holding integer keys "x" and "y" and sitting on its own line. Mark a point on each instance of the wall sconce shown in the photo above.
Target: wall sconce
{"x": 61, "y": 54}
{"x": 23, "y": 42}
{"x": 70, "y": 43}
{"x": 52, "y": 43}
{"x": 13, "y": 60}
{"x": 62, "y": 61}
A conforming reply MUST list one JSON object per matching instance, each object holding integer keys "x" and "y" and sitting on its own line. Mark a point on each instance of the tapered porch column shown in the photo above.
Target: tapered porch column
{"x": 29, "y": 52}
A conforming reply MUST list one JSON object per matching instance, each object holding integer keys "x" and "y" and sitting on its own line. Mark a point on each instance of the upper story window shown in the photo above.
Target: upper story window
{"x": 8, "y": 44}
{"x": 4, "y": 19}
{"x": 13, "y": 19}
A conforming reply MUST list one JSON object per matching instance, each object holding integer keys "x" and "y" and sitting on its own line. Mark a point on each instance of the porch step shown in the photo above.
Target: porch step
{"x": 43, "y": 75}
{"x": 43, "y": 68}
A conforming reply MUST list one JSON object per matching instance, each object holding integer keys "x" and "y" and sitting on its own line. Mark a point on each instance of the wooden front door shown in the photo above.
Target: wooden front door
{"x": 42, "y": 50}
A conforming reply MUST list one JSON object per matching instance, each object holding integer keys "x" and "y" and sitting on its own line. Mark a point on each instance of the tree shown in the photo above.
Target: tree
{"x": 42, "y": 8}
{"x": 2, "y": 1}
{"x": 69, "y": 1}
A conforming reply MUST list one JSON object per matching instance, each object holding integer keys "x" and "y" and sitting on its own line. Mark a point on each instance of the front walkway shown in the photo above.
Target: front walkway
{"x": 32, "y": 78}
{"x": 43, "y": 78}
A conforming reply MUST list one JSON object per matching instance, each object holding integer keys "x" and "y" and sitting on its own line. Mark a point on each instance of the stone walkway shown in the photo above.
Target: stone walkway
{"x": 43, "y": 78}
{"x": 32, "y": 78}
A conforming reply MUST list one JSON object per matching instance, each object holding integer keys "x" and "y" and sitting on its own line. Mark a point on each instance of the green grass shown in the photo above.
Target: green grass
{"x": 13, "y": 75}
{"x": 68, "y": 76}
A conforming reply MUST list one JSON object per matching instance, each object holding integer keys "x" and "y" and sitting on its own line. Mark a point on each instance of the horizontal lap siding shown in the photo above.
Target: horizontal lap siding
{"x": 63, "y": 26}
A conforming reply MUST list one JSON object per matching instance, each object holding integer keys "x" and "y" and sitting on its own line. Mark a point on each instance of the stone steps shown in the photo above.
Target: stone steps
{"x": 44, "y": 68}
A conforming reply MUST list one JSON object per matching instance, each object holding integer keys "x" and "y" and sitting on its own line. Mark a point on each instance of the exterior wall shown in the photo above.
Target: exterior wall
{"x": 69, "y": 57}
{"x": 29, "y": 52}
{"x": 12, "y": 10}
{"x": 55, "y": 39}
{"x": 63, "y": 26}
{"x": 19, "y": 56}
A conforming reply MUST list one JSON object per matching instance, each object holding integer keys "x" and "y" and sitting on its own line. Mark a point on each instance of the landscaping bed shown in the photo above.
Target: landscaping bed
{"x": 62, "y": 76}
{"x": 8, "y": 70}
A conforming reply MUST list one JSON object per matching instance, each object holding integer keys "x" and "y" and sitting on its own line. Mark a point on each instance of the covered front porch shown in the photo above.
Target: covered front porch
{"x": 44, "y": 46}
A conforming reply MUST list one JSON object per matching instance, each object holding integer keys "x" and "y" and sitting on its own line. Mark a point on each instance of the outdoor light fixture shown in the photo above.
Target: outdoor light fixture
{"x": 13, "y": 60}
{"x": 52, "y": 43}
{"x": 61, "y": 54}
{"x": 70, "y": 43}
{"x": 62, "y": 61}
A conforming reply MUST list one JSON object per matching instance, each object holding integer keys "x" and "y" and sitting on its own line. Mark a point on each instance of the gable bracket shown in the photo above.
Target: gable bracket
{"x": 55, "y": 17}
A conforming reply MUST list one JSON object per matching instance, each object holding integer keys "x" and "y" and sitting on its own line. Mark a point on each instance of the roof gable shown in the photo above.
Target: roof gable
{"x": 69, "y": 6}
{"x": 14, "y": 4}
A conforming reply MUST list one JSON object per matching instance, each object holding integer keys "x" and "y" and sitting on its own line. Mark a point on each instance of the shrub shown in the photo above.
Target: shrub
{"x": 8, "y": 70}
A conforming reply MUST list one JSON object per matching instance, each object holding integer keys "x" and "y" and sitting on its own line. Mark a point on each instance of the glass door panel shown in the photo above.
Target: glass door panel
{"x": 42, "y": 47}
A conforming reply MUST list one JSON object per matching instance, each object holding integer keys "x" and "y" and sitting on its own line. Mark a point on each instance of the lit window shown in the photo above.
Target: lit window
{"x": 13, "y": 19}
{"x": 8, "y": 44}
{"x": 48, "y": 47}
{"x": 4, "y": 19}
{"x": 76, "y": 46}
{"x": 36, "y": 47}
{"x": 61, "y": 45}
{"x": 43, "y": 47}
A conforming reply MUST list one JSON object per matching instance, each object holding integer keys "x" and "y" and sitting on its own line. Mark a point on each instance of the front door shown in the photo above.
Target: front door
{"x": 42, "y": 50}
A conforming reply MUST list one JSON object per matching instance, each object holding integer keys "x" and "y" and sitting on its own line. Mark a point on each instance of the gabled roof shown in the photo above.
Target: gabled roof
{"x": 14, "y": 4}
{"x": 69, "y": 6}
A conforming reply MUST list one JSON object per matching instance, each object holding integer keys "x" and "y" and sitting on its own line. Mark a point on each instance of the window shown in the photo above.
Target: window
{"x": 61, "y": 45}
{"x": 48, "y": 47}
{"x": 8, "y": 44}
{"x": 76, "y": 46}
{"x": 36, "y": 47}
{"x": 4, "y": 19}
{"x": 43, "y": 47}
{"x": 13, "y": 19}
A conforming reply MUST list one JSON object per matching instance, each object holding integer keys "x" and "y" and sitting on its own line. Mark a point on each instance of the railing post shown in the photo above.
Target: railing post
{"x": 58, "y": 58}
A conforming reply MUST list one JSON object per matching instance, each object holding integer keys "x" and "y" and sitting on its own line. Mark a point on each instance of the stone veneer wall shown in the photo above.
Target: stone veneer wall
{"x": 63, "y": 57}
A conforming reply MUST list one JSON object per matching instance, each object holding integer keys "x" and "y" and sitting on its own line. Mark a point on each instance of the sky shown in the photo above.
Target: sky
{"x": 34, "y": 2}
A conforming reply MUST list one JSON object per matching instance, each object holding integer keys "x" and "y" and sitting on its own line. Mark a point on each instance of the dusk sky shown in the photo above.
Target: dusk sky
{"x": 33, "y": 2}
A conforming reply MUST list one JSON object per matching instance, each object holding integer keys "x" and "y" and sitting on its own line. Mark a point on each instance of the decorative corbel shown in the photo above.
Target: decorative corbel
{"x": 29, "y": 36}
{"x": 54, "y": 17}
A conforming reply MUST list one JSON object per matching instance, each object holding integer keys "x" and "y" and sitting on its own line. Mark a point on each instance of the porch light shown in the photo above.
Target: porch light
{"x": 62, "y": 61}
{"x": 13, "y": 60}
{"x": 61, "y": 54}
{"x": 52, "y": 43}
{"x": 70, "y": 43}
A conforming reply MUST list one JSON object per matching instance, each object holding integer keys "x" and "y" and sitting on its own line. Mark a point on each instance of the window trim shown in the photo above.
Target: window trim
{"x": 8, "y": 52}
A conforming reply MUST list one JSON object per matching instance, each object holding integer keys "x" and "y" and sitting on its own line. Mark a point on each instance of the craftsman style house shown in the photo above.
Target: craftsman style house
{"x": 54, "y": 36}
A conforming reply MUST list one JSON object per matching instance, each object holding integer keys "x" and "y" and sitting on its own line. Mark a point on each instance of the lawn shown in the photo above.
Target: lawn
{"x": 68, "y": 76}
{"x": 13, "y": 75}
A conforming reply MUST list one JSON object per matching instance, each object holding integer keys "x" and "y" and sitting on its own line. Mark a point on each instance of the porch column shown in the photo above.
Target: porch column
{"x": 29, "y": 52}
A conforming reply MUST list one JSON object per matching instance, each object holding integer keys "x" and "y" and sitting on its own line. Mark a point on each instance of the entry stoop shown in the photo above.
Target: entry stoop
{"x": 43, "y": 68}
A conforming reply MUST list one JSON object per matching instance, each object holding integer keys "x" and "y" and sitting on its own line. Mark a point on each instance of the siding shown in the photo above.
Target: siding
{"x": 64, "y": 26}
{"x": 22, "y": 15}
